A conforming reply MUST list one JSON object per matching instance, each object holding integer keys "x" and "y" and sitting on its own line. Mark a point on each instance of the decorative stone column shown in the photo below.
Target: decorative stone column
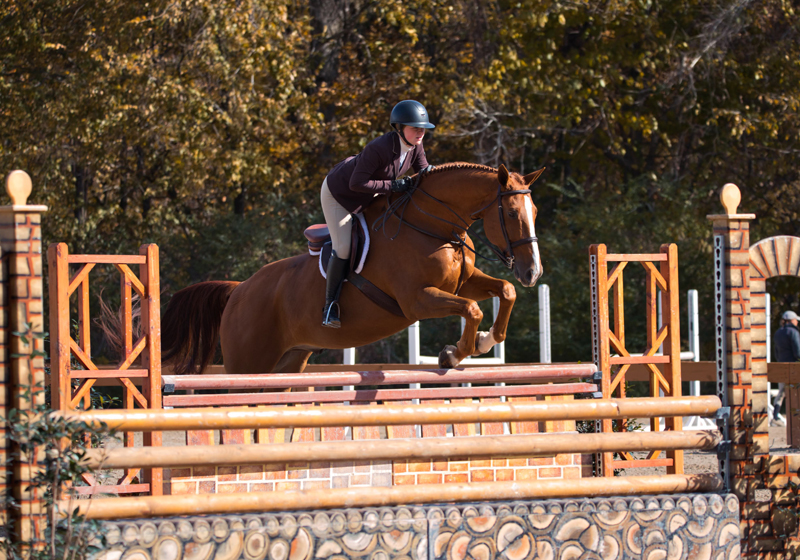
{"x": 734, "y": 362}
{"x": 22, "y": 378}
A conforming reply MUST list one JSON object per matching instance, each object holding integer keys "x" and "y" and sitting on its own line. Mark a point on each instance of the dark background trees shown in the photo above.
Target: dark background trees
{"x": 207, "y": 127}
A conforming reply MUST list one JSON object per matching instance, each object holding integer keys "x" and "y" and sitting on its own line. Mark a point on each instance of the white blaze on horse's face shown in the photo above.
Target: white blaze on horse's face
{"x": 529, "y": 280}
{"x": 537, "y": 261}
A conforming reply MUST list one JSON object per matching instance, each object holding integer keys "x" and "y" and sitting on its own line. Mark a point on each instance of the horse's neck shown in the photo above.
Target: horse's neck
{"x": 465, "y": 194}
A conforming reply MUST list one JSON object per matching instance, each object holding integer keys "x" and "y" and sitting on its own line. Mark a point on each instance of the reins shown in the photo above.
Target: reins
{"x": 506, "y": 257}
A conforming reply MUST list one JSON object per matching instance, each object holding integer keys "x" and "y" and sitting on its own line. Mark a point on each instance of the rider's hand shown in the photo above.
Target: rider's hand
{"x": 401, "y": 185}
{"x": 427, "y": 170}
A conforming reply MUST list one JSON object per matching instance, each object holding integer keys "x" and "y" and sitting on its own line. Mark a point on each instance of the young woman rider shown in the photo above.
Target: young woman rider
{"x": 355, "y": 182}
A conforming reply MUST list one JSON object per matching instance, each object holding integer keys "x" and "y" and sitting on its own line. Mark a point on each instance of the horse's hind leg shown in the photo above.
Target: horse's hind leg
{"x": 293, "y": 361}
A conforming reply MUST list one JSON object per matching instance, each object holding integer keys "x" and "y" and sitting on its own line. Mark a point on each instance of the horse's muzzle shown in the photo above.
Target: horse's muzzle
{"x": 528, "y": 276}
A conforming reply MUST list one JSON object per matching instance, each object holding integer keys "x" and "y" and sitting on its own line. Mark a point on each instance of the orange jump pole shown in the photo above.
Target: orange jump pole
{"x": 157, "y": 506}
{"x": 428, "y": 448}
{"x": 535, "y": 373}
{"x": 392, "y": 415}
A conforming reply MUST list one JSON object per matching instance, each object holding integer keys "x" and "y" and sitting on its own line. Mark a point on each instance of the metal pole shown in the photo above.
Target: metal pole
{"x": 768, "y": 309}
{"x": 499, "y": 349}
{"x": 413, "y": 344}
{"x": 693, "y": 312}
{"x": 694, "y": 337}
{"x": 545, "y": 356}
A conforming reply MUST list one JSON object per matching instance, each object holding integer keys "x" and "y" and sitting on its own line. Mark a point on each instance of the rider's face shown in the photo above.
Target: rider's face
{"x": 413, "y": 135}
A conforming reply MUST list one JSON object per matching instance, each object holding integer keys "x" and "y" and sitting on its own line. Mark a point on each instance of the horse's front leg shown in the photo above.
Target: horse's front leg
{"x": 480, "y": 287}
{"x": 433, "y": 303}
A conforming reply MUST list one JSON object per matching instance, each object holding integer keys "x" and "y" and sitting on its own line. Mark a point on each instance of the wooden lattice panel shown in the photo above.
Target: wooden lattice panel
{"x": 614, "y": 359}
{"x": 141, "y": 357}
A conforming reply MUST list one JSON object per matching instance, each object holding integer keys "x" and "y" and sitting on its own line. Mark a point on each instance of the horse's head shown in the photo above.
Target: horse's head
{"x": 510, "y": 225}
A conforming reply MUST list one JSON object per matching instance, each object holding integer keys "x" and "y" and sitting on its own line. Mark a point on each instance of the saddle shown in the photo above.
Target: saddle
{"x": 319, "y": 244}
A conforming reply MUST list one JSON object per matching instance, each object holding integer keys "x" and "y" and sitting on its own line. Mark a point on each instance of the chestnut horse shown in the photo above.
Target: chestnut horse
{"x": 422, "y": 256}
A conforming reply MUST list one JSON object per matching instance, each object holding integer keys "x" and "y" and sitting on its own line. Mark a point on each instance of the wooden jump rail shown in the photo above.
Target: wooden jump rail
{"x": 530, "y": 446}
{"x": 259, "y": 502}
{"x": 544, "y": 373}
{"x": 541, "y": 380}
{"x": 272, "y": 417}
{"x": 527, "y": 445}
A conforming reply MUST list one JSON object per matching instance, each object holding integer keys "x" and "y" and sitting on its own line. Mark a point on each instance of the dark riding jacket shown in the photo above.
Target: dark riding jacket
{"x": 787, "y": 343}
{"x": 355, "y": 181}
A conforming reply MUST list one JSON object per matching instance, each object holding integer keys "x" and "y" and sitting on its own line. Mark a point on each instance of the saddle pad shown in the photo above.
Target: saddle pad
{"x": 361, "y": 257}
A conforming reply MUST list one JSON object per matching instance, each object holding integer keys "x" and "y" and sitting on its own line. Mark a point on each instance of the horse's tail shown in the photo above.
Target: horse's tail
{"x": 190, "y": 327}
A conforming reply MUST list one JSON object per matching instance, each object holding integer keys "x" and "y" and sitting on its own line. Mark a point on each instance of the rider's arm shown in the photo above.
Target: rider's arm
{"x": 369, "y": 163}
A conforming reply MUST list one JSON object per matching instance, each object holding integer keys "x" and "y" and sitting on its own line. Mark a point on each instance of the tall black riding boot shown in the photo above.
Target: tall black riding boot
{"x": 337, "y": 270}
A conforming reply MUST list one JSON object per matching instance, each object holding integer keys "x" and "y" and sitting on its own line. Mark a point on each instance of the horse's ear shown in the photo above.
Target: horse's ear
{"x": 502, "y": 175}
{"x": 530, "y": 178}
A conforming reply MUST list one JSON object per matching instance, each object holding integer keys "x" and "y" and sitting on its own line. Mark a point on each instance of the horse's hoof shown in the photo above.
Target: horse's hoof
{"x": 447, "y": 357}
{"x": 484, "y": 342}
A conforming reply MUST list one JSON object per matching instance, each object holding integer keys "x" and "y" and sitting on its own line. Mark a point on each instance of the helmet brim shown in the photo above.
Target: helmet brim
{"x": 417, "y": 124}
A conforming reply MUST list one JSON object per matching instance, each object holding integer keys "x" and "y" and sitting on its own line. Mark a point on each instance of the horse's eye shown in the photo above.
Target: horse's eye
{"x": 512, "y": 213}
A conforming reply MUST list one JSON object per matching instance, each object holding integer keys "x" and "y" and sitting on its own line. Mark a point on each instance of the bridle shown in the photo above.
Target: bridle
{"x": 506, "y": 256}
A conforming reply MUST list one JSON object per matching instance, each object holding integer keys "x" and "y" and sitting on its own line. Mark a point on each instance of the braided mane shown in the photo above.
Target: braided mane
{"x": 461, "y": 165}
{"x": 465, "y": 166}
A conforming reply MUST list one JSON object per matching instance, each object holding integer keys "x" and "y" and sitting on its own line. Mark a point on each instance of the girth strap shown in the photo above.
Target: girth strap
{"x": 375, "y": 294}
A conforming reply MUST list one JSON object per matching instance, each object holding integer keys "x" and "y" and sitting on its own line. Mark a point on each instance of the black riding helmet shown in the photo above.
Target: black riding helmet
{"x": 410, "y": 113}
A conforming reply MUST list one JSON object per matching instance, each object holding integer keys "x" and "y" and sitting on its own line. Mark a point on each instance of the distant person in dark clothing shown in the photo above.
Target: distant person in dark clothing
{"x": 787, "y": 349}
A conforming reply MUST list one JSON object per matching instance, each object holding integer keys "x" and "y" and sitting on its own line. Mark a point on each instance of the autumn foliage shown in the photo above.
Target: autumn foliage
{"x": 207, "y": 126}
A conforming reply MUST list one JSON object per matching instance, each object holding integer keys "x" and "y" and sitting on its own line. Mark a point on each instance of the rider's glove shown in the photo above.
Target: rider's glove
{"x": 401, "y": 185}
{"x": 427, "y": 170}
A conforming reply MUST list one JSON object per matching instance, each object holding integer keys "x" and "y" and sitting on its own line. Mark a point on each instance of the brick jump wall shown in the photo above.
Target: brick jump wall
{"x": 323, "y": 474}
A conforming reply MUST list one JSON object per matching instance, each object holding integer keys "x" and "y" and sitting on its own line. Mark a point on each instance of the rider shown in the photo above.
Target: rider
{"x": 355, "y": 182}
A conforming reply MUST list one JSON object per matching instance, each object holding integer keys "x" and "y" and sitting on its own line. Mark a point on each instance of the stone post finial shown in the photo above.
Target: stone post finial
{"x": 730, "y": 196}
{"x": 18, "y": 187}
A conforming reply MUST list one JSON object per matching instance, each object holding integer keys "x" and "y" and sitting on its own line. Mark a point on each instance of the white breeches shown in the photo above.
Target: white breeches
{"x": 339, "y": 221}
